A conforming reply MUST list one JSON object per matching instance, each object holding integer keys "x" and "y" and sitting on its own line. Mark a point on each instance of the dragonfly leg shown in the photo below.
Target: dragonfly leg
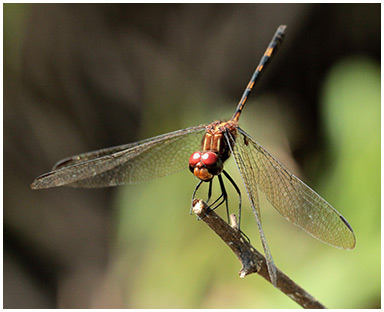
{"x": 239, "y": 193}
{"x": 214, "y": 203}
{"x": 224, "y": 192}
{"x": 194, "y": 194}
{"x": 209, "y": 191}
{"x": 223, "y": 198}
{"x": 209, "y": 207}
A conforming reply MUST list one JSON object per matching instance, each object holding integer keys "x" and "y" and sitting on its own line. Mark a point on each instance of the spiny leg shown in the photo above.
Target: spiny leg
{"x": 217, "y": 199}
{"x": 209, "y": 191}
{"x": 223, "y": 197}
{"x": 238, "y": 192}
{"x": 224, "y": 192}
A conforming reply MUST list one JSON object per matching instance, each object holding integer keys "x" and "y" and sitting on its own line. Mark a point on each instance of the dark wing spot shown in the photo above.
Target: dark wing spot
{"x": 346, "y": 223}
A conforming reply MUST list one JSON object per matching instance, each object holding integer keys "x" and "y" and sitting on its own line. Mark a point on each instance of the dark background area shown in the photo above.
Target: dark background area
{"x": 80, "y": 77}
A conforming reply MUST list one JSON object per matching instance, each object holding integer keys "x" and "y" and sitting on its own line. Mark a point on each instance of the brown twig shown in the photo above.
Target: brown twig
{"x": 251, "y": 260}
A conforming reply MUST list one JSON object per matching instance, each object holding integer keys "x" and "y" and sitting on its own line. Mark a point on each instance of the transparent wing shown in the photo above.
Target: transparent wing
{"x": 297, "y": 202}
{"x": 243, "y": 162}
{"x": 131, "y": 163}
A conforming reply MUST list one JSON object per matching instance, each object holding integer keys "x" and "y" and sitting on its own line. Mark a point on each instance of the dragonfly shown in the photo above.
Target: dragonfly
{"x": 204, "y": 149}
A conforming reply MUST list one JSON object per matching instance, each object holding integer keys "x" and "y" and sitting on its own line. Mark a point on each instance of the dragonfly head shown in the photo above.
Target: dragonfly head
{"x": 205, "y": 165}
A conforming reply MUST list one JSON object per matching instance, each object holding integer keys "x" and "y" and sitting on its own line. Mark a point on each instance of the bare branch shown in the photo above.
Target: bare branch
{"x": 251, "y": 260}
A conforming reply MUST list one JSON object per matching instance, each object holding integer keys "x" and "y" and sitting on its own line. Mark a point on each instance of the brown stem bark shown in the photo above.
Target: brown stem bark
{"x": 252, "y": 261}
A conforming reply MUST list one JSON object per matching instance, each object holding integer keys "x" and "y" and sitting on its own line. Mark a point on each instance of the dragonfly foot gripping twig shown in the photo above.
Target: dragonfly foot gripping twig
{"x": 252, "y": 261}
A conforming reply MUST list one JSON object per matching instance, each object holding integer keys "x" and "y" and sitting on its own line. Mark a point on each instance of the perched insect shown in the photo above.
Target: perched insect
{"x": 149, "y": 159}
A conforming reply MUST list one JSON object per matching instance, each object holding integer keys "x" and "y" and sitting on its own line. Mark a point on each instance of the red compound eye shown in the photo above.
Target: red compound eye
{"x": 194, "y": 159}
{"x": 209, "y": 158}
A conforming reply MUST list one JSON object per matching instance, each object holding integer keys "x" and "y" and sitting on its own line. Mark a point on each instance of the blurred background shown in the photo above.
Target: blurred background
{"x": 80, "y": 77}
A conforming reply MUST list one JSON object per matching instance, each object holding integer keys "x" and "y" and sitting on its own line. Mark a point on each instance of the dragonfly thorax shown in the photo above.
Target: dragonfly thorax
{"x": 205, "y": 165}
{"x": 214, "y": 139}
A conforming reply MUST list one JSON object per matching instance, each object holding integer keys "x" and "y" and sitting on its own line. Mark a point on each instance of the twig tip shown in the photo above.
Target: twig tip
{"x": 198, "y": 206}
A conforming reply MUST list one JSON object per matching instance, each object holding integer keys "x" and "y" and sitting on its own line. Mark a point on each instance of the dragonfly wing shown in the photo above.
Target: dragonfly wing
{"x": 243, "y": 162}
{"x": 296, "y": 201}
{"x": 131, "y": 163}
{"x": 66, "y": 162}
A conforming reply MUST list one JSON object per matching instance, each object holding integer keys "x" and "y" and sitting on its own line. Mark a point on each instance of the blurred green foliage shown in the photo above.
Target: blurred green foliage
{"x": 165, "y": 259}
{"x": 352, "y": 122}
